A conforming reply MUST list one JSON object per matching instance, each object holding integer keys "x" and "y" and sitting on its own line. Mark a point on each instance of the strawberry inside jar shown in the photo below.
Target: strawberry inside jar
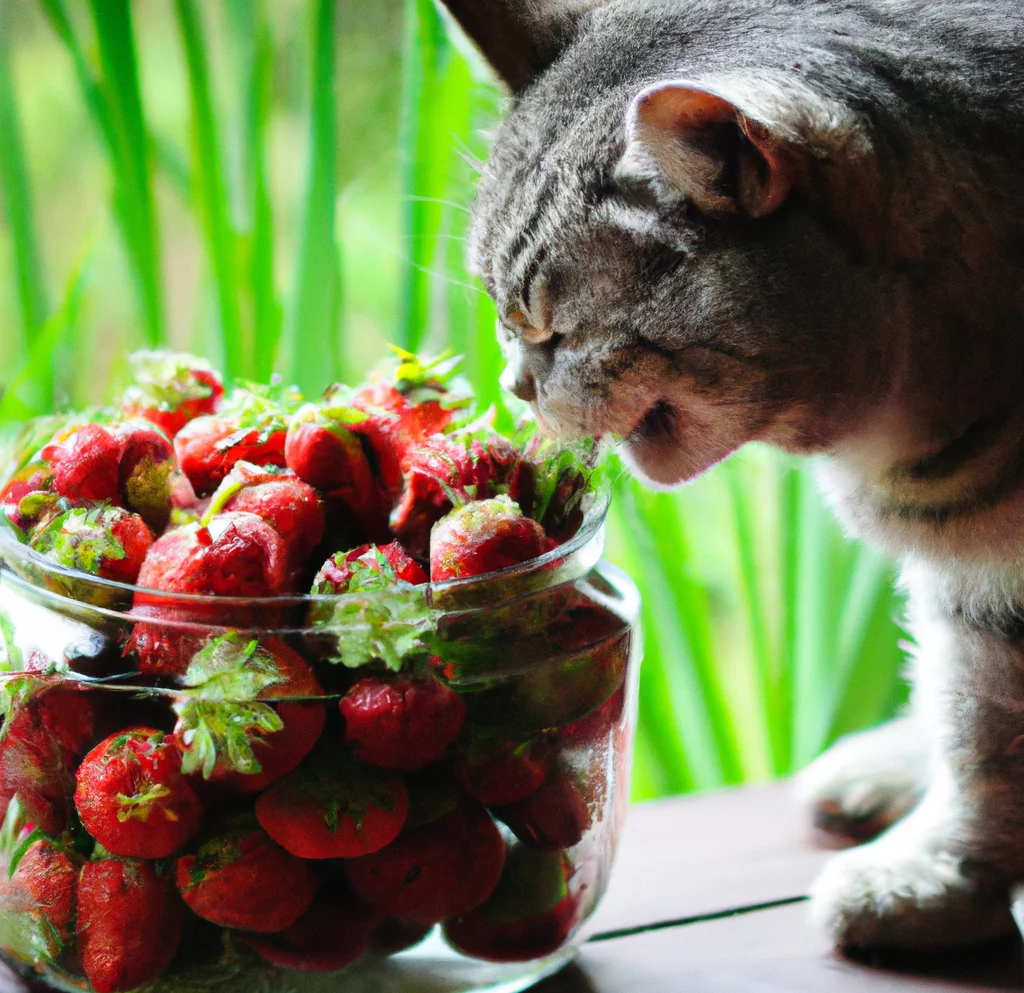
{"x": 365, "y": 688}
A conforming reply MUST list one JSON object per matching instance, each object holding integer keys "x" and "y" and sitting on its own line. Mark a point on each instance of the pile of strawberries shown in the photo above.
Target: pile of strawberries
{"x": 314, "y": 796}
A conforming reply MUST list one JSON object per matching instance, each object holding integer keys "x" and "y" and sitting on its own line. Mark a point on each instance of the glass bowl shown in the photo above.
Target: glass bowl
{"x": 522, "y": 811}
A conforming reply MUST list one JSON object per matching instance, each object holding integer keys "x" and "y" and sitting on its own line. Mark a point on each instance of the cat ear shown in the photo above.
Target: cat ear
{"x": 519, "y": 38}
{"x": 724, "y": 159}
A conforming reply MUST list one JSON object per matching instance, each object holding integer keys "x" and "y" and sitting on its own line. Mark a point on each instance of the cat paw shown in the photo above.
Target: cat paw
{"x": 866, "y": 782}
{"x": 878, "y": 898}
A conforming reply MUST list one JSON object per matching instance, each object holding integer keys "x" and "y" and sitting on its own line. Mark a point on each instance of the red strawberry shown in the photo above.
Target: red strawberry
{"x": 401, "y": 723}
{"x": 322, "y": 451}
{"x": 392, "y": 936}
{"x": 334, "y": 932}
{"x": 129, "y": 923}
{"x": 28, "y": 496}
{"x": 235, "y": 555}
{"x": 435, "y": 470}
{"x": 483, "y": 537}
{"x": 169, "y": 390}
{"x": 529, "y": 915}
{"x": 38, "y": 745}
{"x": 367, "y": 567}
{"x": 418, "y": 402}
{"x": 49, "y": 879}
{"x": 266, "y": 673}
{"x": 105, "y": 541}
{"x": 553, "y": 817}
{"x": 327, "y": 810}
{"x": 290, "y": 506}
{"x": 132, "y": 797}
{"x": 86, "y": 463}
{"x": 243, "y": 880}
{"x": 503, "y": 773}
{"x": 127, "y": 464}
{"x": 440, "y": 870}
{"x": 251, "y": 426}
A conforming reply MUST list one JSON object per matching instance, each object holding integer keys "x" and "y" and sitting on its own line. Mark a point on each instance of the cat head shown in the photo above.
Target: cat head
{"x": 673, "y": 226}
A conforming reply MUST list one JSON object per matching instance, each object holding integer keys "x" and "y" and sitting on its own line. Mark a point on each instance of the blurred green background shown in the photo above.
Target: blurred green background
{"x": 282, "y": 185}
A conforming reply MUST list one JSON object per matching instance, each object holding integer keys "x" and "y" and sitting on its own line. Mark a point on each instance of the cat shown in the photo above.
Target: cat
{"x": 801, "y": 222}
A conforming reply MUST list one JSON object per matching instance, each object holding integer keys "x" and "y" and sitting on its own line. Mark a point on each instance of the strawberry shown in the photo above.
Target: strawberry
{"x": 440, "y": 870}
{"x": 420, "y": 401}
{"x": 436, "y": 472}
{"x": 553, "y": 817}
{"x": 85, "y": 462}
{"x": 367, "y": 567}
{"x": 243, "y": 880}
{"x": 48, "y": 878}
{"x": 323, "y": 452}
{"x": 278, "y": 497}
{"x": 503, "y": 772}
{"x": 401, "y": 723}
{"x": 251, "y": 426}
{"x": 335, "y": 931}
{"x": 328, "y": 809}
{"x": 129, "y": 923}
{"x": 237, "y": 725}
{"x": 169, "y": 389}
{"x": 483, "y": 537}
{"x": 234, "y": 555}
{"x": 103, "y": 541}
{"x": 530, "y": 914}
{"x": 132, "y": 797}
{"x": 128, "y": 464}
{"x": 392, "y": 936}
{"x": 38, "y": 745}
{"x": 28, "y": 496}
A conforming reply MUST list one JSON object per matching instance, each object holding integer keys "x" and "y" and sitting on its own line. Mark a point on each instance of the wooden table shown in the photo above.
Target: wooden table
{"x": 707, "y": 898}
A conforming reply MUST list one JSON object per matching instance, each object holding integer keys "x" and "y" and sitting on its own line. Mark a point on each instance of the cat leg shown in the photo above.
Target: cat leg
{"x": 912, "y": 888}
{"x": 866, "y": 782}
{"x": 941, "y": 877}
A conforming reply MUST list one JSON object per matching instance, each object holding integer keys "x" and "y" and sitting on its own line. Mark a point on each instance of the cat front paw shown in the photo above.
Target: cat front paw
{"x": 866, "y": 782}
{"x": 878, "y": 897}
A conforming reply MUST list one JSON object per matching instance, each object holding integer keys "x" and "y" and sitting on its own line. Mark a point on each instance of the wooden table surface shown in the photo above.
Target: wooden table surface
{"x": 706, "y": 898}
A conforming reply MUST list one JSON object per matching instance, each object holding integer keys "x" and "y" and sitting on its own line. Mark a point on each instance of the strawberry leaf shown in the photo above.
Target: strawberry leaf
{"x": 219, "y": 717}
{"x": 391, "y": 625}
{"x": 81, "y": 538}
{"x": 223, "y": 734}
{"x": 165, "y": 380}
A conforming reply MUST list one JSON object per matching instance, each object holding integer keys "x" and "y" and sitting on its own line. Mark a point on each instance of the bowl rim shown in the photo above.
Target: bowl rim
{"x": 596, "y": 502}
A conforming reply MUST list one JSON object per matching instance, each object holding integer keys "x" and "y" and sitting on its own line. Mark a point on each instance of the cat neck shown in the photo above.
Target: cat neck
{"x": 956, "y": 502}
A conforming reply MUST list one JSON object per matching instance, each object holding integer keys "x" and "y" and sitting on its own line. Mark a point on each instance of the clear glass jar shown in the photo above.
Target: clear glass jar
{"x": 545, "y": 659}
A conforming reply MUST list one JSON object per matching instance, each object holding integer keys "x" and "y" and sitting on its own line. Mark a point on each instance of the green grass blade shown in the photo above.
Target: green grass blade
{"x": 95, "y": 98}
{"x": 211, "y": 193}
{"x": 23, "y": 400}
{"x": 424, "y": 150}
{"x": 253, "y": 40}
{"x": 680, "y": 643}
{"x": 17, "y": 201}
{"x": 312, "y": 337}
{"x": 755, "y": 606}
{"x": 133, "y": 193}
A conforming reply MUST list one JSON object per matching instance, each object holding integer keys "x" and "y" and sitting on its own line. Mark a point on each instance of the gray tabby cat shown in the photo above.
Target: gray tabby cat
{"x": 708, "y": 222}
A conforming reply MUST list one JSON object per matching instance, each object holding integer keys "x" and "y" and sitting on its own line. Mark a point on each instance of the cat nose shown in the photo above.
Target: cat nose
{"x": 520, "y": 382}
